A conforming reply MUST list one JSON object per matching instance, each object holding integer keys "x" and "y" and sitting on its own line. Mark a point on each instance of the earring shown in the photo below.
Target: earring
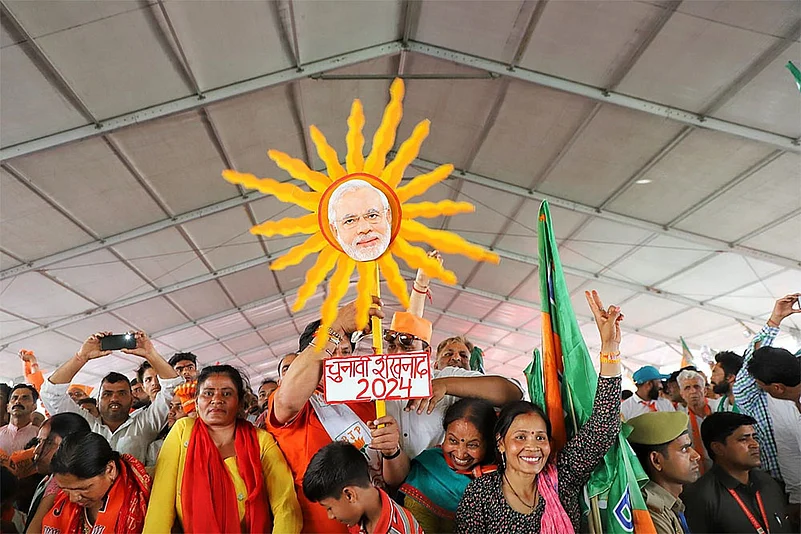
{"x": 503, "y": 460}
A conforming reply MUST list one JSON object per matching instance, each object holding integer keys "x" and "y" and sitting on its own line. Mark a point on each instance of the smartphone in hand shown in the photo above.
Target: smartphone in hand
{"x": 118, "y": 341}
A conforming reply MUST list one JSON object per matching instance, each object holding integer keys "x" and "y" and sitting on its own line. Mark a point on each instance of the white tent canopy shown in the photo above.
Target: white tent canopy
{"x": 664, "y": 134}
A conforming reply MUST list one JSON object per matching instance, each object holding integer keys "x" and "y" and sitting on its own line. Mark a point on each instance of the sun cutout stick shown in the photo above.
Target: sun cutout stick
{"x": 372, "y": 218}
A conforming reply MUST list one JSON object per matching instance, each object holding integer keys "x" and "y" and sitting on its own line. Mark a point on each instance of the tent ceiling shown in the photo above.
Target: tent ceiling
{"x": 664, "y": 134}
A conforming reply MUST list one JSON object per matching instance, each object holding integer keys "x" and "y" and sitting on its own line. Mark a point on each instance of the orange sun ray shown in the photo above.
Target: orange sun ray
{"x": 314, "y": 276}
{"x": 284, "y": 192}
{"x": 337, "y": 287}
{"x": 394, "y": 278}
{"x": 315, "y": 243}
{"x": 327, "y": 154}
{"x": 384, "y": 136}
{"x": 307, "y": 224}
{"x": 435, "y": 209}
{"x": 446, "y": 242}
{"x": 393, "y": 173}
{"x": 355, "y": 138}
{"x": 298, "y": 170}
{"x": 416, "y": 258}
{"x": 423, "y": 182}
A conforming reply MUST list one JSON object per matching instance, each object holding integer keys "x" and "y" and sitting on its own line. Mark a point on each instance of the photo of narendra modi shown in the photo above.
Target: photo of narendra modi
{"x": 360, "y": 219}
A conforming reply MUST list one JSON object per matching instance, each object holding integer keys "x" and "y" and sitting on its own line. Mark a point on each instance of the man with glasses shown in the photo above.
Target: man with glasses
{"x": 420, "y": 420}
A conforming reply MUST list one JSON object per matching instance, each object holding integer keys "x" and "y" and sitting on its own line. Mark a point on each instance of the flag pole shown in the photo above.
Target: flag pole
{"x": 378, "y": 339}
{"x": 594, "y": 519}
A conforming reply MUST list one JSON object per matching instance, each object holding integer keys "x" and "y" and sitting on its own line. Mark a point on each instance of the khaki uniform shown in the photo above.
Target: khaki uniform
{"x": 664, "y": 508}
{"x": 660, "y": 428}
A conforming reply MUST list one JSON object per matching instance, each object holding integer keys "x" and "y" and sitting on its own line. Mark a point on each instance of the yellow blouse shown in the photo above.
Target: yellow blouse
{"x": 165, "y": 498}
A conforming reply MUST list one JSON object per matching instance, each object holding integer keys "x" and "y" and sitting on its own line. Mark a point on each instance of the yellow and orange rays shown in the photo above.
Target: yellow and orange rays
{"x": 331, "y": 258}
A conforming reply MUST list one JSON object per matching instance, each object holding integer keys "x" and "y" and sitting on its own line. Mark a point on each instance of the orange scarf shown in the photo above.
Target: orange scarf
{"x": 208, "y": 497}
{"x": 124, "y": 506}
{"x": 698, "y": 443}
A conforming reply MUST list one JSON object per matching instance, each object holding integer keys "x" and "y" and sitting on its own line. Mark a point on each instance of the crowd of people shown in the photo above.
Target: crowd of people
{"x": 179, "y": 448}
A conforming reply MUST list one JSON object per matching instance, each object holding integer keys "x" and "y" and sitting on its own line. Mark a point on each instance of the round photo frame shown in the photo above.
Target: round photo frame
{"x": 392, "y": 198}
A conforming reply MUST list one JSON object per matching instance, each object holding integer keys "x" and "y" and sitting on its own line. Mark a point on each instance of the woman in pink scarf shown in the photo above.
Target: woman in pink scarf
{"x": 535, "y": 491}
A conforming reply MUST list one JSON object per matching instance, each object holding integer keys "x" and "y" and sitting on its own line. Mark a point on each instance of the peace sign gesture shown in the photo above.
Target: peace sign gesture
{"x": 608, "y": 321}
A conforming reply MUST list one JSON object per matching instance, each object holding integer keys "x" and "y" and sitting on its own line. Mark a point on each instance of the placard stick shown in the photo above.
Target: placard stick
{"x": 378, "y": 339}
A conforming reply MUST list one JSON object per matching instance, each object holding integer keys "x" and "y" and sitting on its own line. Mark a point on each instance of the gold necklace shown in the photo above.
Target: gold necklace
{"x": 530, "y": 506}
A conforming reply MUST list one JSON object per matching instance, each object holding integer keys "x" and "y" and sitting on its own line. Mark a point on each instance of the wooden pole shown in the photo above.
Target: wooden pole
{"x": 378, "y": 339}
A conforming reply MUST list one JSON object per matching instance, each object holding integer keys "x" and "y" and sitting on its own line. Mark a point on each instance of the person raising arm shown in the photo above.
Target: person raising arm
{"x": 126, "y": 432}
{"x": 535, "y": 491}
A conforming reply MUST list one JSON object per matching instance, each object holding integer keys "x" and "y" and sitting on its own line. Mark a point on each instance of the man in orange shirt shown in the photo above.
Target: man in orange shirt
{"x": 302, "y": 423}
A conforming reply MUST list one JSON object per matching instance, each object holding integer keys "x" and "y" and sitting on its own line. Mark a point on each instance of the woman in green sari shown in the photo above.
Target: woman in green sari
{"x": 438, "y": 477}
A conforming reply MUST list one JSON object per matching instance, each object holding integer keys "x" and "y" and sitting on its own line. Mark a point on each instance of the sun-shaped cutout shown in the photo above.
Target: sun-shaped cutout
{"x": 386, "y": 178}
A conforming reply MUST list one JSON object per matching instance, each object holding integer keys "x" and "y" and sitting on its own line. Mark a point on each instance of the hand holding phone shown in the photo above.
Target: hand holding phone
{"x": 784, "y": 307}
{"x": 92, "y": 349}
{"x": 141, "y": 346}
{"x": 118, "y": 341}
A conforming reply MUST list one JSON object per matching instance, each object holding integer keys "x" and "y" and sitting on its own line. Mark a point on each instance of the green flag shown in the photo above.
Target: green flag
{"x": 795, "y": 72}
{"x": 536, "y": 390}
{"x": 477, "y": 360}
{"x": 565, "y": 380}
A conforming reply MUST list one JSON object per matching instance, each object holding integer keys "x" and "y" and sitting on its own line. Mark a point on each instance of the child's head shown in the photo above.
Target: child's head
{"x": 337, "y": 478}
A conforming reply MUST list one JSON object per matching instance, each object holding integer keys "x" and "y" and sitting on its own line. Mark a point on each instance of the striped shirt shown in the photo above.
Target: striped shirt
{"x": 395, "y": 519}
{"x": 754, "y": 402}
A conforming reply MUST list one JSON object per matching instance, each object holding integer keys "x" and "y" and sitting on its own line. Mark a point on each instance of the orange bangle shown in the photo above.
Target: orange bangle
{"x": 610, "y": 357}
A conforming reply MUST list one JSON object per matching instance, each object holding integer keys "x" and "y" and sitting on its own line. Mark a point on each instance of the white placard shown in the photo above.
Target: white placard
{"x": 377, "y": 377}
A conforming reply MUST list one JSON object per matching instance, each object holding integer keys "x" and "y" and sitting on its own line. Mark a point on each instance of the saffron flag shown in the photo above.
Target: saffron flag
{"x": 564, "y": 378}
{"x": 686, "y": 355}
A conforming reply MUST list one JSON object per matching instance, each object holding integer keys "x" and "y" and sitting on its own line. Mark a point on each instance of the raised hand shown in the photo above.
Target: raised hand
{"x": 785, "y": 307}
{"x": 27, "y": 356}
{"x": 91, "y": 347}
{"x": 144, "y": 347}
{"x": 346, "y": 317}
{"x": 422, "y": 280}
{"x": 607, "y": 320}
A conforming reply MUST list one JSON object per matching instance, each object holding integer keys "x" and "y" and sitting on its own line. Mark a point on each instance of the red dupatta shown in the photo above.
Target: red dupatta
{"x": 208, "y": 497}
{"x": 123, "y": 510}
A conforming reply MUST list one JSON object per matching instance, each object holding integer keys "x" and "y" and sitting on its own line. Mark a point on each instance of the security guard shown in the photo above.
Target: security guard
{"x": 666, "y": 452}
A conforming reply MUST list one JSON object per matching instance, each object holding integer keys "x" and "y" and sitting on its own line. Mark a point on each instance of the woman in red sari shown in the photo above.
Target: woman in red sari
{"x": 101, "y": 491}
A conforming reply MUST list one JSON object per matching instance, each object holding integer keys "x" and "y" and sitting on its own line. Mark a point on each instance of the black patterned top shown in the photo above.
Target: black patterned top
{"x": 483, "y": 508}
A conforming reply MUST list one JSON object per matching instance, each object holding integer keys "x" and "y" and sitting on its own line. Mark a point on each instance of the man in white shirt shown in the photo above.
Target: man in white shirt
{"x": 420, "y": 420}
{"x": 646, "y": 399}
{"x": 787, "y": 433}
{"x": 693, "y": 390}
{"x": 126, "y": 432}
